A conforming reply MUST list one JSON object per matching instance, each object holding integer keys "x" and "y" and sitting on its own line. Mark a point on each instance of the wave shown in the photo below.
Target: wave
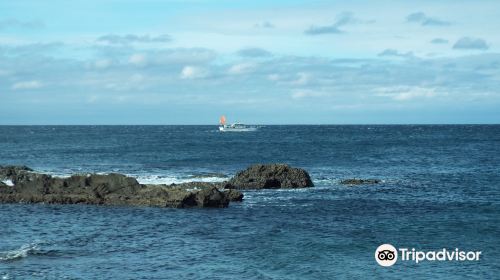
{"x": 8, "y": 182}
{"x": 165, "y": 179}
{"x": 322, "y": 181}
{"x": 151, "y": 178}
{"x": 19, "y": 253}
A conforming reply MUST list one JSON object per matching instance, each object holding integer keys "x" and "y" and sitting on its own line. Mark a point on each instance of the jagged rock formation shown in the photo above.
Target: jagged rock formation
{"x": 110, "y": 189}
{"x": 270, "y": 176}
{"x": 20, "y": 184}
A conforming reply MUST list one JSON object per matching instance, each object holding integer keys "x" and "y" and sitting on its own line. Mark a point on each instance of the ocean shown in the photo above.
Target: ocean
{"x": 440, "y": 189}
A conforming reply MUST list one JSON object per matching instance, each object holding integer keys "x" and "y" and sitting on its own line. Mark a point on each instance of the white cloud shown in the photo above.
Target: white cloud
{"x": 300, "y": 94}
{"x": 102, "y": 63}
{"x": 241, "y": 68}
{"x": 193, "y": 72}
{"x": 404, "y": 93}
{"x": 92, "y": 98}
{"x": 396, "y": 53}
{"x": 133, "y": 82}
{"x": 137, "y": 78}
{"x": 27, "y": 85}
{"x": 179, "y": 56}
{"x": 137, "y": 59}
{"x": 302, "y": 78}
{"x": 273, "y": 77}
{"x": 264, "y": 24}
{"x": 132, "y": 38}
{"x": 184, "y": 56}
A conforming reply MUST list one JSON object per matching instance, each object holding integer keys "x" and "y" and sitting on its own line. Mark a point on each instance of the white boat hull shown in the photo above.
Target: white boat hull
{"x": 236, "y": 129}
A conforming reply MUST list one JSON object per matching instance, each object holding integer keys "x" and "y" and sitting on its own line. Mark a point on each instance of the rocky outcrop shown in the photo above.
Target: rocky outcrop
{"x": 360, "y": 181}
{"x": 234, "y": 195}
{"x": 211, "y": 197}
{"x": 110, "y": 189}
{"x": 26, "y": 186}
{"x": 270, "y": 176}
{"x": 10, "y": 170}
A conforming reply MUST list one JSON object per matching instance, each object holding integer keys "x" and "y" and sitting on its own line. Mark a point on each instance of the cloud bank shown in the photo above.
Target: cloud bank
{"x": 253, "y": 52}
{"x": 424, "y": 20}
{"x": 15, "y": 23}
{"x": 131, "y": 38}
{"x": 469, "y": 43}
{"x": 342, "y": 20}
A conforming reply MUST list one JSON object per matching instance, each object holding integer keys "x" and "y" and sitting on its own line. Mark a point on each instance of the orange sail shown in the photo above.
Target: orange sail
{"x": 222, "y": 120}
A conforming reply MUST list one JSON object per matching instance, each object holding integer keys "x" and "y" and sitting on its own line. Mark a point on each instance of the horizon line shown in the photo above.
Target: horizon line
{"x": 284, "y": 124}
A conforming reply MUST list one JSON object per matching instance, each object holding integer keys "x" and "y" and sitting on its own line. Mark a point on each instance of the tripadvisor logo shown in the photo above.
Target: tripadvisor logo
{"x": 387, "y": 255}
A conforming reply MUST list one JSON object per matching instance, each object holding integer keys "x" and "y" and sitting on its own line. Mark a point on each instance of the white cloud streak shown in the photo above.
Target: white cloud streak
{"x": 27, "y": 85}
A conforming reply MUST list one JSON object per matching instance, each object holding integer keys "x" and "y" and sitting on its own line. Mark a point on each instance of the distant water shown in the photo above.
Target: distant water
{"x": 441, "y": 189}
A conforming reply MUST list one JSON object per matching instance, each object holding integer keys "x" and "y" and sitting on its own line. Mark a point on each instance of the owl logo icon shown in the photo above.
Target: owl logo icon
{"x": 386, "y": 255}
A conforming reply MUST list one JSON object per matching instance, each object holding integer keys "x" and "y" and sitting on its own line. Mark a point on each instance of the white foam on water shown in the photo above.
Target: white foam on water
{"x": 62, "y": 176}
{"x": 153, "y": 178}
{"x": 163, "y": 179}
{"x": 328, "y": 181}
{"x": 336, "y": 181}
{"x": 19, "y": 253}
{"x": 8, "y": 182}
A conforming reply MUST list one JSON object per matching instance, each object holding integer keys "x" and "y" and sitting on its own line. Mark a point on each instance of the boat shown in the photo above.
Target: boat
{"x": 235, "y": 127}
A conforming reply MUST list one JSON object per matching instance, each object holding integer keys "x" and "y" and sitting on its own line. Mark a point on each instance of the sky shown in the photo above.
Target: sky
{"x": 258, "y": 62}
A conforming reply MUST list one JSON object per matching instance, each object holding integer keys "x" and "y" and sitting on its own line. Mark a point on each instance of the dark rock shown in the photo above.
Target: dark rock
{"x": 207, "y": 175}
{"x": 110, "y": 189}
{"x": 360, "y": 181}
{"x": 9, "y": 170}
{"x": 211, "y": 197}
{"x": 196, "y": 185}
{"x": 234, "y": 195}
{"x": 270, "y": 176}
{"x": 227, "y": 186}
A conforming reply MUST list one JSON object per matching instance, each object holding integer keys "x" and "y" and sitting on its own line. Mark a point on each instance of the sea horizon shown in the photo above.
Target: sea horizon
{"x": 273, "y": 124}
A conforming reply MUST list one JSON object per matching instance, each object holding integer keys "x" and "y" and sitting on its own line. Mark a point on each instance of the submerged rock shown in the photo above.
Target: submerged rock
{"x": 110, "y": 189}
{"x": 360, "y": 181}
{"x": 270, "y": 176}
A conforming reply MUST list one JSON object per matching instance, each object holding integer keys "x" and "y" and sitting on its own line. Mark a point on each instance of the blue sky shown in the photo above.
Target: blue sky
{"x": 281, "y": 62}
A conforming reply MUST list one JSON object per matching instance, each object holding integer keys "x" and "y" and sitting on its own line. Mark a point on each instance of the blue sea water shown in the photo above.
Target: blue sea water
{"x": 441, "y": 189}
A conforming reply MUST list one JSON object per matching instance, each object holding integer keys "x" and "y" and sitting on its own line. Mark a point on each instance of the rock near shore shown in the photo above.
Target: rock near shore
{"x": 26, "y": 186}
{"x": 110, "y": 189}
{"x": 231, "y": 194}
{"x": 270, "y": 176}
{"x": 360, "y": 181}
